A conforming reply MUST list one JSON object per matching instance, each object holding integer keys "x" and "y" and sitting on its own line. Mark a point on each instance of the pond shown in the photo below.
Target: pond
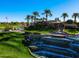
{"x": 55, "y": 47}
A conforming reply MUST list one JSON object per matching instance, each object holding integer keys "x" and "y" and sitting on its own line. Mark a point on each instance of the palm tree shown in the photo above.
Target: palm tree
{"x": 47, "y": 13}
{"x": 7, "y": 23}
{"x": 6, "y": 19}
{"x": 28, "y": 17}
{"x": 35, "y": 14}
{"x": 32, "y": 19}
{"x": 43, "y": 18}
{"x": 64, "y": 15}
{"x": 57, "y": 19}
{"x": 75, "y": 15}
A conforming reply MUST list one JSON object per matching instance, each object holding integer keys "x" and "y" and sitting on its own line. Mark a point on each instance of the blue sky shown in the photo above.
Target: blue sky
{"x": 16, "y": 10}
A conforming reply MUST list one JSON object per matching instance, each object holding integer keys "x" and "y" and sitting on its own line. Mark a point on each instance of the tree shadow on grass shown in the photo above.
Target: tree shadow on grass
{"x": 5, "y": 39}
{"x": 8, "y": 37}
{"x": 8, "y": 56}
{"x": 10, "y": 45}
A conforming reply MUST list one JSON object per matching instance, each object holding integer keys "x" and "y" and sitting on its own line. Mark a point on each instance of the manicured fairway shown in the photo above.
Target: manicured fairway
{"x": 11, "y": 46}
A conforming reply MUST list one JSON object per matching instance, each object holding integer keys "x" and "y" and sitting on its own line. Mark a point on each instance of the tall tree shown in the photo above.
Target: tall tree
{"x": 28, "y": 17}
{"x": 47, "y": 13}
{"x": 43, "y": 18}
{"x": 75, "y": 15}
{"x": 57, "y": 19}
{"x": 64, "y": 15}
{"x": 32, "y": 18}
{"x": 35, "y": 14}
{"x": 69, "y": 21}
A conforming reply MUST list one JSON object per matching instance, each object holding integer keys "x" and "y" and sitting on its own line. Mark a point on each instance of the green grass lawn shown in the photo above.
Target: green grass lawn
{"x": 41, "y": 32}
{"x": 13, "y": 47}
{"x": 71, "y": 31}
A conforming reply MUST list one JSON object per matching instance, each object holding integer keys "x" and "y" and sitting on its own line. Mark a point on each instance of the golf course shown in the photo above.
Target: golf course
{"x": 11, "y": 46}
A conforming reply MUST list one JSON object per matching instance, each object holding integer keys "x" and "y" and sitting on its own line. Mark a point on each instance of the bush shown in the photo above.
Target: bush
{"x": 41, "y": 26}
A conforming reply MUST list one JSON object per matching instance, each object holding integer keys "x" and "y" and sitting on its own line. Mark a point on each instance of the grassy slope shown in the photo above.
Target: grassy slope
{"x": 71, "y": 31}
{"x": 36, "y": 31}
{"x": 13, "y": 47}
